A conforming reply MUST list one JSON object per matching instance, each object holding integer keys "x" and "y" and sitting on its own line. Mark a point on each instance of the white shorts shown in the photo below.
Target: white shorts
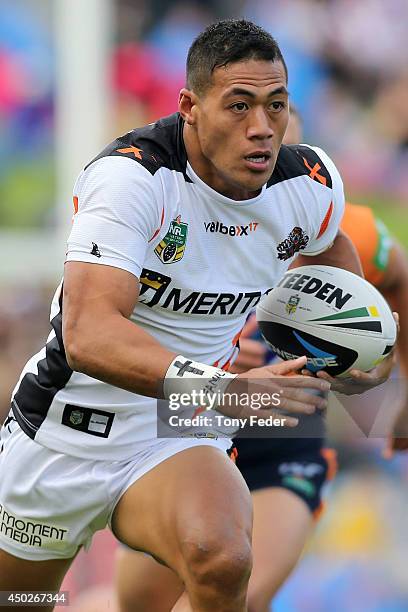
{"x": 51, "y": 504}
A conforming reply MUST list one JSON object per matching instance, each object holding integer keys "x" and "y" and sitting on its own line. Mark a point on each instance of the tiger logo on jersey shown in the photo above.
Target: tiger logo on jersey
{"x": 171, "y": 248}
{"x": 296, "y": 241}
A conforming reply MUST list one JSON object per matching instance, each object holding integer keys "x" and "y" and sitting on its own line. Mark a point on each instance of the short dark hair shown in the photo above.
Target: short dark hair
{"x": 224, "y": 42}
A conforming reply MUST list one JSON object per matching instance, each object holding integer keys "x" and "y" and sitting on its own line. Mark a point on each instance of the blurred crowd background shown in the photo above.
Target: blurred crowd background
{"x": 348, "y": 75}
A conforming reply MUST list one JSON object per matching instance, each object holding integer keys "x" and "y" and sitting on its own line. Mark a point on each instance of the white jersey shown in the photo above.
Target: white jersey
{"x": 203, "y": 262}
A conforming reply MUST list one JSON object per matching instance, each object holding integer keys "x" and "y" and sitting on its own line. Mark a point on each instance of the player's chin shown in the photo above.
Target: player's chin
{"x": 255, "y": 179}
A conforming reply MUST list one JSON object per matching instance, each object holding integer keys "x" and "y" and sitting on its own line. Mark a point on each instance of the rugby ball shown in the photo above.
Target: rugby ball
{"x": 334, "y": 317}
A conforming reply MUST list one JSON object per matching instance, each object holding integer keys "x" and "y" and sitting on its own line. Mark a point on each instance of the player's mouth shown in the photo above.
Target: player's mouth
{"x": 258, "y": 160}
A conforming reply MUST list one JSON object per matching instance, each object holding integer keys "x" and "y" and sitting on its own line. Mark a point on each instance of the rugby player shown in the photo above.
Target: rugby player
{"x": 284, "y": 475}
{"x": 157, "y": 287}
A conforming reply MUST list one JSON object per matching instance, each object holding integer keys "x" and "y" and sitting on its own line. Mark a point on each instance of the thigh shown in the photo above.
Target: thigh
{"x": 197, "y": 496}
{"x": 50, "y": 503}
{"x": 143, "y": 584}
{"x": 22, "y": 575}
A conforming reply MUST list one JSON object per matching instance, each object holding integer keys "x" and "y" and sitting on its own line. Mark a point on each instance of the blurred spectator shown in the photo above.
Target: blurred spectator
{"x": 348, "y": 58}
{"x": 23, "y": 326}
{"x": 26, "y": 137}
{"x": 152, "y": 72}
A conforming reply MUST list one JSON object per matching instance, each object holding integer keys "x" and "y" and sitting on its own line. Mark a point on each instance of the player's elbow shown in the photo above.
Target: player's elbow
{"x": 77, "y": 348}
{"x": 77, "y": 340}
{"x": 75, "y": 354}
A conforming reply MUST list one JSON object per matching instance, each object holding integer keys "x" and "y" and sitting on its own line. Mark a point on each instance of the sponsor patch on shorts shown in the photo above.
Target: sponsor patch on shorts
{"x": 94, "y": 422}
{"x": 31, "y": 532}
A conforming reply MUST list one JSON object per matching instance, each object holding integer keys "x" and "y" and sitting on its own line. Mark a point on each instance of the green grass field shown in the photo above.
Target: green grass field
{"x": 393, "y": 214}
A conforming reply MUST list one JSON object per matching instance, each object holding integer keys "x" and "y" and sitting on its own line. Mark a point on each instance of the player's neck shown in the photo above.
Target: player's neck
{"x": 207, "y": 172}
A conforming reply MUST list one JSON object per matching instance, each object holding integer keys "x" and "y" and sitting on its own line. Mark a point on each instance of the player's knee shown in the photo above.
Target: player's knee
{"x": 223, "y": 565}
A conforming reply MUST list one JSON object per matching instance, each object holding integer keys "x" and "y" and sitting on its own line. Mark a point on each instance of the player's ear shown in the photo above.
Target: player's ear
{"x": 187, "y": 103}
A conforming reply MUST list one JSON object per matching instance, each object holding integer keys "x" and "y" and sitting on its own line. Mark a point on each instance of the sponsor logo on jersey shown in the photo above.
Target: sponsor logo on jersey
{"x": 309, "y": 285}
{"x": 171, "y": 248}
{"x": 95, "y": 250}
{"x": 155, "y": 290}
{"x": 230, "y": 230}
{"x": 7, "y": 423}
{"x": 295, "y": 242}
{"x": 76, "y": 417}
{"x": 292, "y": 304}
{"x": 152, "y": 286}
{"x": 90, "y": 421}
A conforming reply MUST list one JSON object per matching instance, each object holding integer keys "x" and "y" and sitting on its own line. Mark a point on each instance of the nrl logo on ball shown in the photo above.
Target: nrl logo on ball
{"x": 292, "y": 304}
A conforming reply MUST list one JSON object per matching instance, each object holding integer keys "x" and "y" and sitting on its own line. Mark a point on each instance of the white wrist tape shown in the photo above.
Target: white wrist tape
{"x": 196, "y": 379}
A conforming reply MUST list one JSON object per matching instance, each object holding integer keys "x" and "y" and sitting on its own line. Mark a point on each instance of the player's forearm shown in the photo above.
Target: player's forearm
{"x": 118, "y": 352}
{"x": 342, "y": 254}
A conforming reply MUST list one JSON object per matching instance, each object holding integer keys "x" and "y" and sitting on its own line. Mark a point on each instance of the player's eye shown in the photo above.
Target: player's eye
{"x": 277, "y": 106}
{"x": 239, "y": 107}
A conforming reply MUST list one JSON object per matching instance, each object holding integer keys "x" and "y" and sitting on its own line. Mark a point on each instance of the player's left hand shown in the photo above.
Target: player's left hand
{"x": 358, "y": 381}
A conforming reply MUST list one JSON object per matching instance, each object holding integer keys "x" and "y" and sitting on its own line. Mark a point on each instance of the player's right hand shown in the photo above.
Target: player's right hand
{"x": 288, "y": 393}
{"x": 252, "y": 354}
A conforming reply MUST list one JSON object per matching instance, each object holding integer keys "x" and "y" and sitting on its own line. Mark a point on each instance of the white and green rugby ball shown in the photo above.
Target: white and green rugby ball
{"x": 334, "y": 317}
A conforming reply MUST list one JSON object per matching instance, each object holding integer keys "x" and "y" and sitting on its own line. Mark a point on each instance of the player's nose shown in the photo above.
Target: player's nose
{"x": 259, "y": 124}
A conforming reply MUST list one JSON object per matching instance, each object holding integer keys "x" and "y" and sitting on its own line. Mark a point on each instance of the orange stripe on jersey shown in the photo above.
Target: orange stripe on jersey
{"x": 237, "y": 337}
{"x": 331, "y": 457}
{"x": 233, "y": 454}
{"x": 133, "y": 150}
{"x": 326, "y": 221}
{"x": 199, "y": 410}
{"x": 159, "y": 228}
{"x": 314, "y": 172}
{"x": 226, "y": 365}
{"x": 75, "y": 200}
{"x": 319, "y": 511}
